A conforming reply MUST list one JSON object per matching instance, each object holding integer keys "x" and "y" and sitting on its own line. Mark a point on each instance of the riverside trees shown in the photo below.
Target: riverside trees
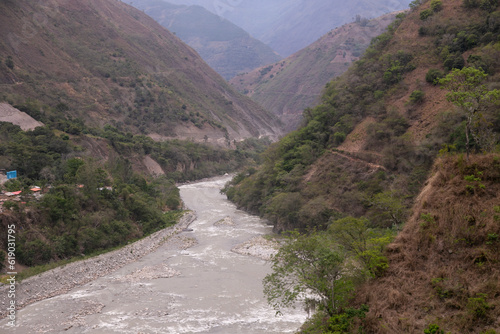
{"x": 323, "y": 268}
{"x": 309, "y": 264}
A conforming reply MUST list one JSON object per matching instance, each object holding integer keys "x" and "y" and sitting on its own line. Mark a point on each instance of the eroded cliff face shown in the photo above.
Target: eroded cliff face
{"x": 443, "y": 266}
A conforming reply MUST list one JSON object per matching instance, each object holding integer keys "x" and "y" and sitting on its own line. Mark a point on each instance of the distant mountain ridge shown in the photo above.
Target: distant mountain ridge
{"x": 227, "y": 48}
{"x": 106, "y": 62}
{"x": 289, "y": 86}
{"x": 290, "y": 25}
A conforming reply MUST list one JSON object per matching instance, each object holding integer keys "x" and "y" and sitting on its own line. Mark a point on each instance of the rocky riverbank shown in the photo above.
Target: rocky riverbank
{"x": 259, "y": 247}
{"x": 62, "y": 279}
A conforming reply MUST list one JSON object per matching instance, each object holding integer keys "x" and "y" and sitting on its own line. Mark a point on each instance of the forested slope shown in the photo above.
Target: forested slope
{"x": 374, "y": 137}
{"x": 349, "y": 179}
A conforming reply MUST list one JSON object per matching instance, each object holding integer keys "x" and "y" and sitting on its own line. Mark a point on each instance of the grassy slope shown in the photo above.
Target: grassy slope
{"x": 443, "y": 266}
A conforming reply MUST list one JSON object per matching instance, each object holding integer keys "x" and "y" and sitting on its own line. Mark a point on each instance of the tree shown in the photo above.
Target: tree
{"x": 364, "y": 243}
{"x": 470, "y": 94}
{"x": 389, "y": 208}
{"x": 310, "y": 265}
{"x": 9, "y": 62}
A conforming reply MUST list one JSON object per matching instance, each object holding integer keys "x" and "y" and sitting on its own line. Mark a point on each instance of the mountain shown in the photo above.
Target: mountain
{"x": 224, "y": 46}
{"x": 291, "y": 25}
{"x": 287, "y": 87}
{"x": 380, "y": 125}
{"x": 103, "y": 61}
{"x": 387, "y": 149}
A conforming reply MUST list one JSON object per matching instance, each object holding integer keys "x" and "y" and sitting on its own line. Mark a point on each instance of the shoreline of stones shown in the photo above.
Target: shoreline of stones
{"x": 62, "y": 279}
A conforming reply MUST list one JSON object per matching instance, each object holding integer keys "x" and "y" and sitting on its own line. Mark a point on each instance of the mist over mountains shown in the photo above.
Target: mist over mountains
{"x": 290, "y": 25}
{"x": 226, "y": 47}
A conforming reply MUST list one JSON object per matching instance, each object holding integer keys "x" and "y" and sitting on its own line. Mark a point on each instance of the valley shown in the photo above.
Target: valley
{"x": 353, "y": 189}
{"x": 192, "y": 281}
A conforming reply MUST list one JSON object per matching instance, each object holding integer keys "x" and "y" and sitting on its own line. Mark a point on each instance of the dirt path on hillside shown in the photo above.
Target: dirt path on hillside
{"x": 371, "y": 165}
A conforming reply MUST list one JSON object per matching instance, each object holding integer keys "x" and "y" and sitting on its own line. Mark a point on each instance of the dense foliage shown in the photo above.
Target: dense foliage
{"x": 90, "y": 206}
{"x": 278, "y": 190}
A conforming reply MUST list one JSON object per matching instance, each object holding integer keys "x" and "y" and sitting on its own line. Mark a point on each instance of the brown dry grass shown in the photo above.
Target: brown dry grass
{"x": 448, "y": 253}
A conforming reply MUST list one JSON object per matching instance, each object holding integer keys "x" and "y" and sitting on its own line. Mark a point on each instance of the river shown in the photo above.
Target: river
{"x": 206, "y": 288}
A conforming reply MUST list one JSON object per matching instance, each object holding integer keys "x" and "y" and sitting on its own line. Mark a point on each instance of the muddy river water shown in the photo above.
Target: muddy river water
{"x": 206, "y": 288}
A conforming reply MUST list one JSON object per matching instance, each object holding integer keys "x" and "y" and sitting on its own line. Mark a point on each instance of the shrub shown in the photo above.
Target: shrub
{"x": 433, "y": 76}
{"x": 9, "y": 62}
{"x": 417, "y": 96}
{"x": 339, "y": 137}
{"x": 425, "y": 14}
{"x": 454, "y": 60}
{"x": 33, "y": 252}
{"x": 478, "y": 307}
{"x": 414, "y": 4}
{"x": 436, "y": 5}
{"x": 433, "y": 329}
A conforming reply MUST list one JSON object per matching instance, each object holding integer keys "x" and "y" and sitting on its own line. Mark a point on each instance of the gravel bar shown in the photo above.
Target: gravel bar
{"x": 62, "y": 279}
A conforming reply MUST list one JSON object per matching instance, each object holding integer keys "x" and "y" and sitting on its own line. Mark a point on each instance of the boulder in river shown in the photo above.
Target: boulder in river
{"x": 227, "y": 221}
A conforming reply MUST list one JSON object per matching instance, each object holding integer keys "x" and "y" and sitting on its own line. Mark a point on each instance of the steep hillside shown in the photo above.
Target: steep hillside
{"x": 105, "y": 62}
{"x": 88, "y": 85}
{"x": 291, "y": 25}
{"x": 380, "y": 125}
{"x": 288, "y": 87}
{"x": 227, "y": 48}
{"x": 444, "y": 265}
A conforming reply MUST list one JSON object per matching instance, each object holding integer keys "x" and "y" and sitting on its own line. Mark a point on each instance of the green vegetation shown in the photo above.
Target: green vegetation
{"x": 310, "y": 264}
{"x": 433, "y": 76}
{"x": 9, "y": 62}
{"x": 324, "y": 268}
{"x": 417, "y": 96}
{"x": 470, "y": 94}
{"x": 433, "y": 329}
{"x": 357, "y": 198}
{"x": 288, "y": 191}
{"x": 278, "y": 191}
{"x": 364, "y": 242}
{"x": 89, "y": 207}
